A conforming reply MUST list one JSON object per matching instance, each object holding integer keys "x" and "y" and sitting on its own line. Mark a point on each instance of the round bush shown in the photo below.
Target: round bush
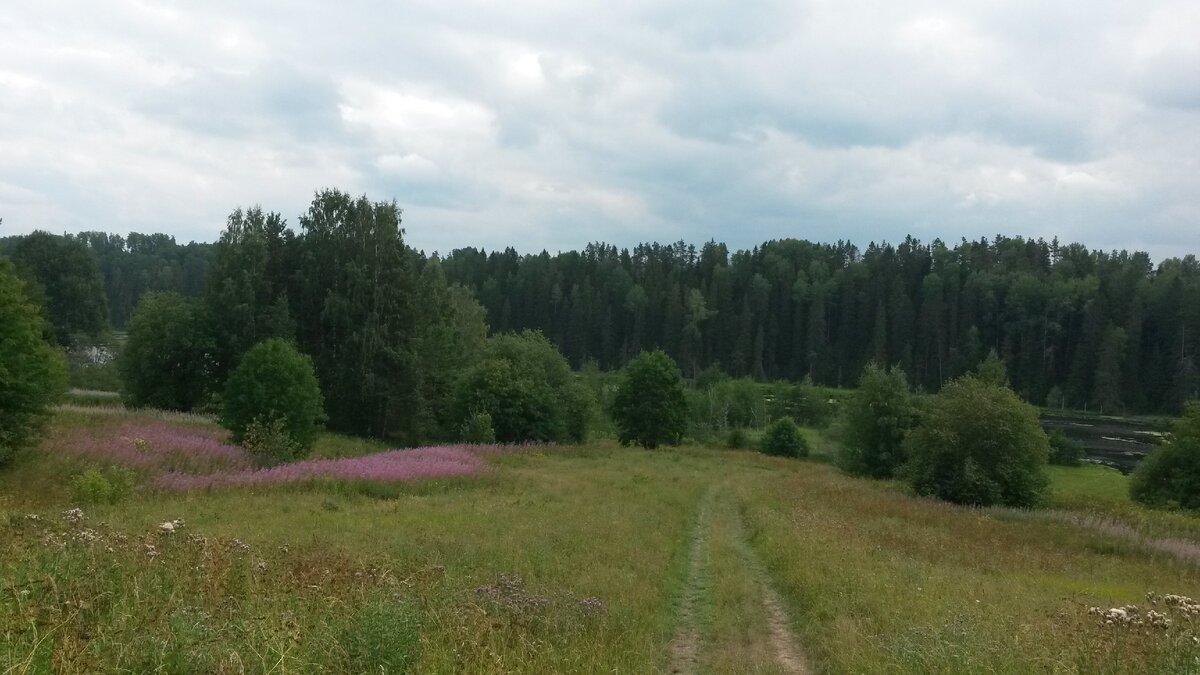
{"x": 650, "y": 408}
{"x": 274, "y": 388}
{"x": 1170, "y": 476}
{"x": 980, "y": 444}
{"x": 33, "y": 374}
{"x": 783, "y": 439}
{"x": 526, "y": 387}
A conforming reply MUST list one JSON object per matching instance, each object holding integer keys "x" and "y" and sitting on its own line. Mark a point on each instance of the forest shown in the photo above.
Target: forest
{"x": 1111, "y": 332}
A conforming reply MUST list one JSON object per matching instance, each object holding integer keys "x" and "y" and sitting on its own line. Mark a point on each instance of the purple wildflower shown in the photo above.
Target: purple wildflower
{"x": 392, "y": 465}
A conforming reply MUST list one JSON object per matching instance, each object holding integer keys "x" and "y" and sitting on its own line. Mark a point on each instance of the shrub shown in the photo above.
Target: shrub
{"x": 980, "y": 444}
{"x": 526, "y": 386}
{"x": 274, "y": 386}
{"x": 783, "y": 438}
{"x": 1170, "y": 476}
{"x": 33, "y": 374}
{"x": 649, "y": 408}
{"x": 384, "y": 637}
{"x": 268, "y": 442}
{"x": 96, "y": 487}
{"x": 478, "y": 429}
{"x": 1064, "y": 451}
{"x": 875, "y": 421}
{"x": 737, "y": 439}
{"x": 165, "y": 362}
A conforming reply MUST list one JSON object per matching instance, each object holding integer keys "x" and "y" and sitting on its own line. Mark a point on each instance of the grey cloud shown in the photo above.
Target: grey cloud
{"x": 542, "y": 124}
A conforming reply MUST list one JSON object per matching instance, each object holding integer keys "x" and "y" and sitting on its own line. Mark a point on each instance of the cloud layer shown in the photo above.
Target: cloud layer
{"x": 543, "y": 125}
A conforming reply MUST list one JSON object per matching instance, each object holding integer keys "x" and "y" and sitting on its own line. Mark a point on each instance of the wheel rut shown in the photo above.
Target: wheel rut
{"x": 686, "y": 646}
{"x": 789, "y": 655}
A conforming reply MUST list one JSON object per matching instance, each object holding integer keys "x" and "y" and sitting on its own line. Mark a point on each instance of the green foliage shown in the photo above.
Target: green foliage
{"x": 992, "y": 370}
{"x": 978, "y": 443}
{"x": 166, "y": 359}
{"x": 478, "y": 428}
{"x": 802, "y": 402}
{"x": 783, "y": 438}
{"x": 94, "y": 486}
{"x": 33, "y": 373}
{"x": 527, "y": 388}
{"x": 246, "y": 296}
{"x": 1064, "y": 451}
{"x": 710, "y": 377}
{"x": 737, "y": 439}
{"x": 384, "y": 637}
{"x": 65, "y": 278}
{"x": 875, "y": 421}
{"x": 269, "y": 443}
{"x": 649, "y": 408}
{"x": 453, "y": 335}
{"x": 1055, "y": 398}
{"x": 275, "y": 387}
{"x": 1170, "y": 476}
{"x": 356, "y": 291}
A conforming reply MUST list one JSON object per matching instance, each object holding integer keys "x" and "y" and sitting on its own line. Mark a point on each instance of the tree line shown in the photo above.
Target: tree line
{"x": 1078, "y": 328}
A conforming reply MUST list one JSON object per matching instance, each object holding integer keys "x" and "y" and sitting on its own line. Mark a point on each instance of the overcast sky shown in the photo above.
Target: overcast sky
{"x": 537, "y": 124}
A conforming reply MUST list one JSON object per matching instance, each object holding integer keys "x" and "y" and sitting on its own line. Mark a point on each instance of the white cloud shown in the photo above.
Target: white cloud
{"x": 544, "y": 124}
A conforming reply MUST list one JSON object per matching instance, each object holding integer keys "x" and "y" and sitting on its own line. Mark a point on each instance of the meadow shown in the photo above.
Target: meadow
{"x": 538, "y": 559}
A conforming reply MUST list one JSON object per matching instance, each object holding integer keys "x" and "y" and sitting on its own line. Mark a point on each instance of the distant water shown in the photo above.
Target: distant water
{"x": 1115, "y": 442}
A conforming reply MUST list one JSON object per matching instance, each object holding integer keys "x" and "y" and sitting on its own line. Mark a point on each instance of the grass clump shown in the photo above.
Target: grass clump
{"x": 384, "y": 636}
{"x": 94, "y": 486}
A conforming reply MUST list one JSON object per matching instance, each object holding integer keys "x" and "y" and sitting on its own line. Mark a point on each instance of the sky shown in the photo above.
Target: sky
{"x": 545, "y": 124}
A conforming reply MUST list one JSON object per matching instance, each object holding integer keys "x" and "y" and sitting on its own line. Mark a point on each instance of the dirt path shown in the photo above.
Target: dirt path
{"x": 685, "y": 645}
{"x": 788, "y": 654}
{"x": 784, "y": 643}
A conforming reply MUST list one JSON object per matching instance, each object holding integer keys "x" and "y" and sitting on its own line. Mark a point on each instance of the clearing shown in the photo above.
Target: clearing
{"x": 575, "y": 560}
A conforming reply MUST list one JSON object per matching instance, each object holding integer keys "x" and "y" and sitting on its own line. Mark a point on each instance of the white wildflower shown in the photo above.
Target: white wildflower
{"x": 170, "y": 526}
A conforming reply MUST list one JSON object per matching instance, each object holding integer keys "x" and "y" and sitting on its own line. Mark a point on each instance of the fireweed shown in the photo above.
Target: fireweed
{"x": 392, "y": 465}
{"x": 175, "y": 457}
{"x": 153, "y": 447}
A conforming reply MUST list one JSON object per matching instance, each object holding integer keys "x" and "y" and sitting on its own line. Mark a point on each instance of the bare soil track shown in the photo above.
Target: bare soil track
{"x": 685, "y": 647}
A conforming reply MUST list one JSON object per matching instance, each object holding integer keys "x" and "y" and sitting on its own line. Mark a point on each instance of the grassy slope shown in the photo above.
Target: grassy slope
{"x": 874, "y": 580}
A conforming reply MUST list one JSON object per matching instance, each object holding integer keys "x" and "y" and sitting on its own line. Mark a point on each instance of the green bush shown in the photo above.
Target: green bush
{"x": 268, "y": 442}
{"x": 1064, "y": 451}
{"x": 384, "y": 637}
{"x": 478, "y": 429}
{"x": 649, "y": 408}
{"x": 33, "y": 373}
{"x": 1170, "y": 476}
{"x": 274, "y": 386}
{"x": 97, "y": 487}
{"x": 737, "y": 439}
{"x": 979, "y": 444}
{"x": 875, "y": 421}
{"x": 165, "y": 362}
{"x": 526, "y": 386}
{"x": 783, "y": 439}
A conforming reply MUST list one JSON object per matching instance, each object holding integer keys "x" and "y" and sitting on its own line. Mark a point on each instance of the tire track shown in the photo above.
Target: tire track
{"x": 788, "y": 653}
{"x": 684, "y": 647}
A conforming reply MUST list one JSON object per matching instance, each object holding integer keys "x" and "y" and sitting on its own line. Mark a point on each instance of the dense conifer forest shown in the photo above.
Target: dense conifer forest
{"x": 1077, "y": 328}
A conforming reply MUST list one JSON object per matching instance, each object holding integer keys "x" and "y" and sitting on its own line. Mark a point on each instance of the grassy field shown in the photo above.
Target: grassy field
{"x": 591, "y": 559}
